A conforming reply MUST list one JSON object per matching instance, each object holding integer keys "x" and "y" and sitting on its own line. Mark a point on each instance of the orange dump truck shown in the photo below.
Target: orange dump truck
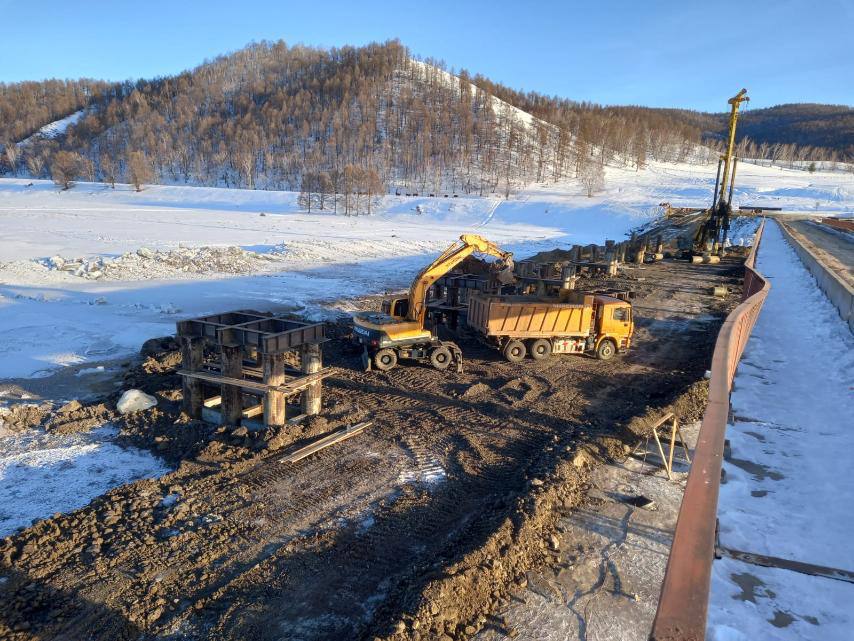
{"x": 520, "y": 325}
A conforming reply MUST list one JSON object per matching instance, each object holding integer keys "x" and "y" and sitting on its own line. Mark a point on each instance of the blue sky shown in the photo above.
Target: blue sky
{"x": 656, "y": 53}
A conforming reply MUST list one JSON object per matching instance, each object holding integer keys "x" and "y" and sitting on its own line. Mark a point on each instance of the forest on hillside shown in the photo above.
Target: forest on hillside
{"x": 354, "y": 121}
{"x": 361, "y": 119}
{"x": 784, "y": 133}
{"x": 27, "y": 106}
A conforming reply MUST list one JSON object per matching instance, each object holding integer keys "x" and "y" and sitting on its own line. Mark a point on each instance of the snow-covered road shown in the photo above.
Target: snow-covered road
{"x": 788, "y": 491}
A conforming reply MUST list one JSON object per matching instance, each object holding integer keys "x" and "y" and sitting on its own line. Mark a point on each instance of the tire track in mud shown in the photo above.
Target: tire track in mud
{"x": 448, "y": 502}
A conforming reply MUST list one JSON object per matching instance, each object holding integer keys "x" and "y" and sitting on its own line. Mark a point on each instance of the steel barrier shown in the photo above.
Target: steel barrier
{"x": 684, "y": 603}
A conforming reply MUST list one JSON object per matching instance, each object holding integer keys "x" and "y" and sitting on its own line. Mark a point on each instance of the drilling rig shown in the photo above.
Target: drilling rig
{"x": 711, "y": 235}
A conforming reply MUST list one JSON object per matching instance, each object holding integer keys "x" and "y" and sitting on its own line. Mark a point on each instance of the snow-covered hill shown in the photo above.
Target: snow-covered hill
{"x": 53, "y": 130}
{"x": 424, "y": 70}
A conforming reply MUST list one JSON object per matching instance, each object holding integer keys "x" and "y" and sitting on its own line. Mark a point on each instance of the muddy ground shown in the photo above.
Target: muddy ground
{"x": 417, "y": 529}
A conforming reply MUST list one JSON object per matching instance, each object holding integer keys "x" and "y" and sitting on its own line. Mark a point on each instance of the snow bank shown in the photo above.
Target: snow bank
{"x": 754, "y": 602}
{"x": 145, "y": 263}
{"x": 786, "y": 493}
{"x": 786, "y": 423}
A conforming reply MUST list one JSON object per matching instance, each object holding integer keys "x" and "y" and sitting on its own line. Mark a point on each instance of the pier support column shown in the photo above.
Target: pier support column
{"x": 192, "y": 357}
{"x": 611, "y": 257}
{"x": 232, "y": 397}
{"x": 275, "y": 403}
{"x": 311, "y": 360}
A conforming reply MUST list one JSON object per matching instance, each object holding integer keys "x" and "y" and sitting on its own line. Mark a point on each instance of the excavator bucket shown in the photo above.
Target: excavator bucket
{"x": 504, "y": 275}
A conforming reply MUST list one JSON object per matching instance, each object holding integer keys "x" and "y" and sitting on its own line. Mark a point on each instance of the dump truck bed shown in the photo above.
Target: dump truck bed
{"x": 527, "y": 317}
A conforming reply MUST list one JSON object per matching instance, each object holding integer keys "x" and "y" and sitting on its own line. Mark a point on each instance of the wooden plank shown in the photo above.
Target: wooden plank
{"x": 255, "y": 410}
{"x": 213, "y": 401}
{"x": 661, "y": 452}
{"x": 326, "y": 441}
{"x": 219, "y": 379}
{"x": 662, "y": 420}
{"x": 290, "y": 387}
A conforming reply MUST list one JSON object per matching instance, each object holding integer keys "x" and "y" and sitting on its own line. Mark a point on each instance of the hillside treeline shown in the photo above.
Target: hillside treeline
{"x": 783, "y": 134}
{"x": 356, "y": 120}
{"x": 267, "y": 115}
{"x": 27, "y": 106}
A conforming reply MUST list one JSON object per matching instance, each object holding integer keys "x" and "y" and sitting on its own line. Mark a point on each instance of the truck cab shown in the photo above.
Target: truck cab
{"x": 614, "y": 323}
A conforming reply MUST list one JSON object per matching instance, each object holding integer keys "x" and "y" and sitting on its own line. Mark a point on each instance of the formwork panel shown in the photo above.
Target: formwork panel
{"x": 265, "y": 333}
{"x": 207, "y": 326}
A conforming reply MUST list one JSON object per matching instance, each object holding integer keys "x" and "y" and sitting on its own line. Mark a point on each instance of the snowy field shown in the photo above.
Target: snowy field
{"x": 89, "y": 274}
{"x": 788, "y": 492}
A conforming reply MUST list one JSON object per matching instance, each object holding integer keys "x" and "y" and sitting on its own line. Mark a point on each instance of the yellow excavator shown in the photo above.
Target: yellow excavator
{"x": 398, "y": 331}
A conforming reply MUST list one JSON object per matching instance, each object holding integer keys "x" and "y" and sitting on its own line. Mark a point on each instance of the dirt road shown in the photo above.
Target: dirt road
{"x": 418, "y": 528}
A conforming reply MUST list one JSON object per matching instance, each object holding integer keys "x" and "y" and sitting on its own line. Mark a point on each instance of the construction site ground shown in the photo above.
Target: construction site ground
{"x": 422, "y": 527}
{"x": 613, "y": 550}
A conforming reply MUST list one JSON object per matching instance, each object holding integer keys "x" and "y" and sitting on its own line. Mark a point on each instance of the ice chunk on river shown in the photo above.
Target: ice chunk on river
{"x": 135, "y": 400}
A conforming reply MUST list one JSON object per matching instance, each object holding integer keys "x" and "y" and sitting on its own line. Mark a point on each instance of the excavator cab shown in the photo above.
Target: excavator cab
{"x": 396, "y": 307}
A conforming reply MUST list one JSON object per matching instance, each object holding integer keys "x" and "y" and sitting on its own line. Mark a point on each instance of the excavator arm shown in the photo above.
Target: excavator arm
{"x": 450, "y": 258}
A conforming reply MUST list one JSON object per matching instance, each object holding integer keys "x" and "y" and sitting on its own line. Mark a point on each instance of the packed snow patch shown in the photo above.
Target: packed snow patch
{"x": 43, "y": 473}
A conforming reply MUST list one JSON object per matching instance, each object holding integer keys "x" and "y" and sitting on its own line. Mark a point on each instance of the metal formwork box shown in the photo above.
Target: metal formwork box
{"x": 266, "y": 333}
{"x": 249, "y": 346}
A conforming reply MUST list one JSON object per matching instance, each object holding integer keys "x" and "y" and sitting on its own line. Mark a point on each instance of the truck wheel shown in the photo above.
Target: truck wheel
{"x": 514, "y": 351}
{"x": 540, "y": 349}
{"x": 606, "y": 350}
{"x": 385, "y": 359}
{"x": 440, "y": 357}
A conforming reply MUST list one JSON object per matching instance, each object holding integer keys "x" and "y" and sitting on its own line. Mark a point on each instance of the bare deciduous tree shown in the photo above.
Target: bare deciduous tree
{"x": 65, "y": 167}
{"x": 10, "y": 152}
{"x": 591, "y": 174}
{"x": 35, "y": 164}
{"x": 109, "y": 169}
{"x": 139, "y": 170}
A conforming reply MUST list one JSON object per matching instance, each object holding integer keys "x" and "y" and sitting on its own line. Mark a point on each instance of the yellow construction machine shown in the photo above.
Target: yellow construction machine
{"x": 399, "y": 331}
{"x": 711, "y": 235}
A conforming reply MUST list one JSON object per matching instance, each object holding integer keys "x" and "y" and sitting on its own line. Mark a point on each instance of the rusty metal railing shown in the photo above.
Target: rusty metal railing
{"x": 684, "y": 603}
